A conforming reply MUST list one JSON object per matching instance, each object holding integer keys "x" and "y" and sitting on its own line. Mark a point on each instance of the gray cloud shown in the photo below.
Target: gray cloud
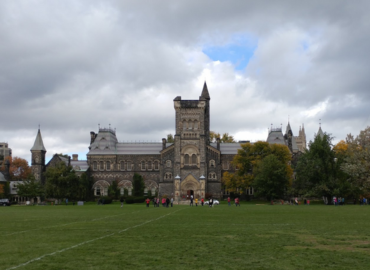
{"x": 70, "y": 65}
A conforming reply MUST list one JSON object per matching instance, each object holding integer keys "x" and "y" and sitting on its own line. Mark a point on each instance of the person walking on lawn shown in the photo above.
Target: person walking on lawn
{"x": 121, "y": 200}
{"x": 228, "y": 201}
{"x": 196, "y": 202}
{"x": 202, "y": 201}
{"x": 147, "y": 202}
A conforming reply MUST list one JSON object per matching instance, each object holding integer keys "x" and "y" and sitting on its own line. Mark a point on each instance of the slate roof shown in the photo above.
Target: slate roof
{"x": 2, "y": 177}
{"x": 205, "y": 93}
{"x": 79, "y": 165}
{"x": 39, "y": 144}
{"x": 320, "y": 133}
{"x": 130, "y": 149}
{"x": 276, "y": 136}
{"x": 228, "y": 148}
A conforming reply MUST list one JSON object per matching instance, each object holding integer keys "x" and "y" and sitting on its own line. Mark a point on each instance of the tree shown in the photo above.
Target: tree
{"x": 272, "y": 178}
{"x": 113, "y": 190}
{"x": 225, "y": 138}
{"x": 170, "y": 138}
{"x": 30, "y": 189}
{"x": 61, "y": 182}
{"x": 19, "y": 168}
{"x": 138, "y": 185}
{"x": 85, "y": 191}
{"x": 357, "y": 162}
{"x": 247, "y": 161}
{"x": 318, "y": 173}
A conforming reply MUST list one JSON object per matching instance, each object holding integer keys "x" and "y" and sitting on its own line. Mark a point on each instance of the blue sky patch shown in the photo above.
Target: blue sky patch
{"x": 238, "y": 51}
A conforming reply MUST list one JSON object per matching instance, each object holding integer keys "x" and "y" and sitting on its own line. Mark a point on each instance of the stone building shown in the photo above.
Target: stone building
{"x": 5, "y": 152}
{"x": 189, "y": 166}
{"x": 192, "y": 165}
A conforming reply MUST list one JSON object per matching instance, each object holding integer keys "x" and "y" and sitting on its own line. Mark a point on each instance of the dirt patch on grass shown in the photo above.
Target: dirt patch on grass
{"x": 336, "y": 243}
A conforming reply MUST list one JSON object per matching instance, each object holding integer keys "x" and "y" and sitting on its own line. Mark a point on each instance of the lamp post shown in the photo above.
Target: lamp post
{"x": 177, "y": 188}
{"x": 202, "y": 181}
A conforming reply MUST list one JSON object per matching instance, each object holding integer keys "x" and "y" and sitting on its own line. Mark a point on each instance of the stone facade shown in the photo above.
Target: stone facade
{"x": 189, "y": 166}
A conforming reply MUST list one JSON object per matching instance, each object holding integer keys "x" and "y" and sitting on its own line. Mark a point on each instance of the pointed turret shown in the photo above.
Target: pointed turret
{"x": 39, "y": 144}
{"x": 320, "y": 133}
{"x": 288, "y": 128}
{"x": 205, "y": 94}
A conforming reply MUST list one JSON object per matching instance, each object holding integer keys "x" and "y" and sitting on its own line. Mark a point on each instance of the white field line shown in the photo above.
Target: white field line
{"x": 89, "y": 241}
{"x": 66, "y": 224}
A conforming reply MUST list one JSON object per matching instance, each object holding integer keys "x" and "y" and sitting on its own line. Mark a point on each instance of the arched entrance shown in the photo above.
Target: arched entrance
{"x": 190, "y": 186}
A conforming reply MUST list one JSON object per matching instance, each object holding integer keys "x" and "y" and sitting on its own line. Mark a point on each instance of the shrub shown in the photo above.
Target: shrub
{"x": 134, "y": 199}
{"x": 106, "y": 199}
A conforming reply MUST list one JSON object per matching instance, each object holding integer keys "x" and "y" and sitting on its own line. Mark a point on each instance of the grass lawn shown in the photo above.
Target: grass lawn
{"x": 183, "y": 237}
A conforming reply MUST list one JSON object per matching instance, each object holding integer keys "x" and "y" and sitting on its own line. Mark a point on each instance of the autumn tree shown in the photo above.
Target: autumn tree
{"x": 19, "y": 168}
{"x": 225, "y": 138}
{"x": 248, "y": 160}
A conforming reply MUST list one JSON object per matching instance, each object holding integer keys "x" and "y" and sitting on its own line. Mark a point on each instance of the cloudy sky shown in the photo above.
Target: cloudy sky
{"x": 71, "y": 65}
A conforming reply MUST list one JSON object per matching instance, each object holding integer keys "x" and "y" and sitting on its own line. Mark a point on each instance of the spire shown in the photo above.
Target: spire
{"x": 39, "y": 144}
{"x": 205, "y": 93}
{"x": 288, "y": 128}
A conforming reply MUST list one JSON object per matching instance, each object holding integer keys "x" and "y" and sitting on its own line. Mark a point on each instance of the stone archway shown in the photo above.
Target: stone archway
{"x": 190, "y": 184}
{"x": 125, "y": 184}
{"x": 100, "y": 188}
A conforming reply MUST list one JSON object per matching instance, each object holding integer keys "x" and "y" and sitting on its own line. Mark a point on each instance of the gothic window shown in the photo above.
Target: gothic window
{"x": 143, "y": 165}
{"x": 194, "y": 160}
{"x": 168, "y": 163}
{"x": 184, "y": 125}
{"x": 97, "y": 191}
{"x": 122, "y": 191}
{"x": 168, "y": 176}
{"x": 129, "y": 165}
{"x": 108, "y": 165}
{"x": 195, "y": 124}
{"x": 212, "y": 163}
{"x": 122, "y": 165}
{"x": 95, "y": 166}
{"x": 101, "y": 165}
{"x": 156, "y": 165}
{"x": 149, "y": 165}
{"x": 186, "y": 159}
{"x": 190, "y": 125}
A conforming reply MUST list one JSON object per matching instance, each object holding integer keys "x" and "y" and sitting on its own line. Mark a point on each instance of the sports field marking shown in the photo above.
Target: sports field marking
{"x": 89, "y": 241}
{"x": 66, "y": 224}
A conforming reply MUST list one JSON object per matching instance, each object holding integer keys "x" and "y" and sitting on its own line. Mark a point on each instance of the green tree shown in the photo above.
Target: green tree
{"x": 85, "y": 191}
{"x": 272, "y": 178}
{"x": 30, "y": 188}
{"x": 247, "y": 160}
{"x": 318, "y": 173}
{"x": 357, "y": 163}
{"x": 138, "y": 185}
{"x": 61, "y": 182}
{"x": 170, "y": 138}
{"x": 113, "y": 190}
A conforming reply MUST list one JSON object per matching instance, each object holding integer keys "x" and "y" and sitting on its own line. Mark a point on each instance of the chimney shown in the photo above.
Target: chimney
{"x": 218, "y": 143}
{"x": 92, "y": 137}
{"x": 75, "y": 157}
{"x": 164, "y": 141}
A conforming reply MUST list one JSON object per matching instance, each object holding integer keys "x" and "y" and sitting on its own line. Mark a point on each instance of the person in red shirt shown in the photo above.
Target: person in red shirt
{"x": 237, "y": 202}
{"x": 228, "y": 201}
{"x": 147, "y": 202}
{"x": 202, "y": 201}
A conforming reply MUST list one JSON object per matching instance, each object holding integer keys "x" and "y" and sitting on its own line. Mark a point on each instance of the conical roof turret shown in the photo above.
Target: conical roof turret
{"x": 39, "y": 144}
{"x": 205, "y": 93}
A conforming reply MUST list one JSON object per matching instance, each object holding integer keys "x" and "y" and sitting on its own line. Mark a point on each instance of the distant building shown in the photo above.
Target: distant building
{"x": 5, "y": 151}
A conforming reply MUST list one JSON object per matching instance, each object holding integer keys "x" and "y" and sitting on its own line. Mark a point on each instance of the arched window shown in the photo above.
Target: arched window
{"x": 101, "y": 165}
{"x": 95, "y": 166}
{"x": 149, "y": 165}
{"x": 186, "y": 159}
{"x": 122, "y": 164}
{"x": 129, "y": 167}
{"x": 108, "y": 165}
{"x": 212, "y": 163}
{"x": 156, "y": 165}
{"x": 195, "y": 124}
{"x": 184, "y": 125}
{"x": 168, "y": 163}
{"x": 194, "y": 160}
{"x": 143, "y": 165}
{"x": 97, "y": 191}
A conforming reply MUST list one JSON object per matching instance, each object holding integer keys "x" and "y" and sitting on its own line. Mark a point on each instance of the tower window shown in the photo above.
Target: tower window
{"x": 194, "y": 160}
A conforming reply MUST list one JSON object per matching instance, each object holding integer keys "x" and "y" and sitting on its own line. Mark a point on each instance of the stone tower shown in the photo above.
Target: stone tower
{"x": 191, "y": 141}
{"x": 38, "y": 158}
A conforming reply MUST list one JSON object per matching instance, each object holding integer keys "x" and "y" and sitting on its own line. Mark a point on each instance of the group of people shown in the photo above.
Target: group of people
{"x": 338, "y": 201}
{"x": 236, "y": 201}
{"x": 166, "y": 202}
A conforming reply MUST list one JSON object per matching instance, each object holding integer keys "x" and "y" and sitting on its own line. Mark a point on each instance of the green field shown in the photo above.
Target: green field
{"x": 135, "y": 237}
